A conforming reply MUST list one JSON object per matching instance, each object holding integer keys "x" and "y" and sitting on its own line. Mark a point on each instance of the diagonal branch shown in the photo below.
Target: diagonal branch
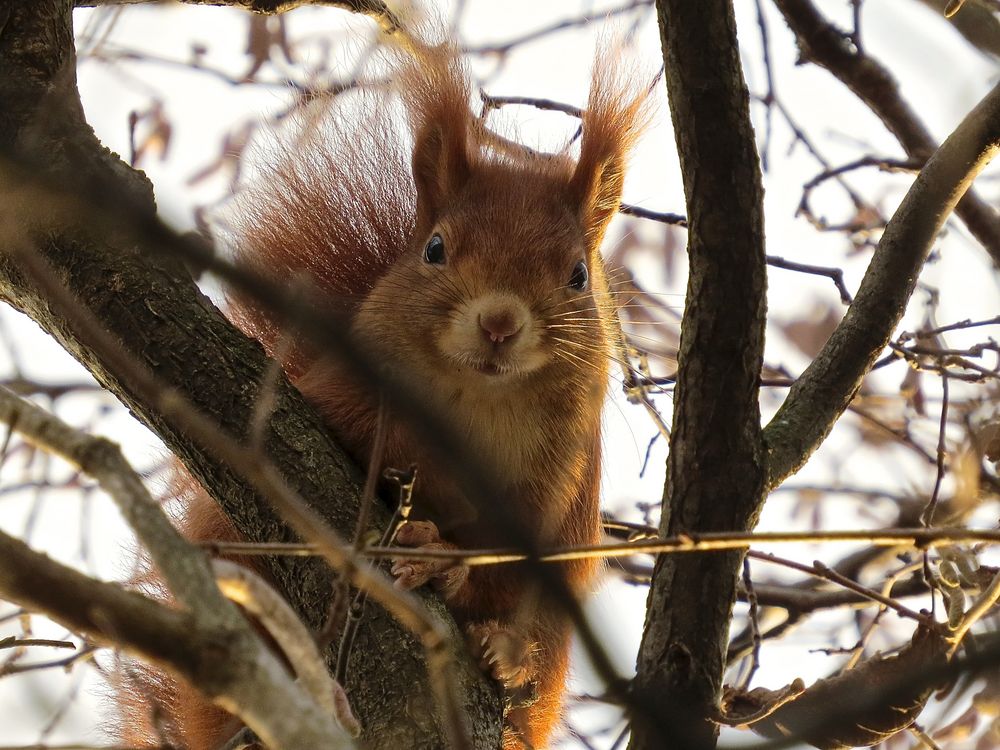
{"x": 103, "y": 611}
{"x": 259, "y": 471}
{"x": 229, "y": 663}
{"x": 374, "y": 8}
{"x": 819, "y": 397}
{"x": 163, "y": 323}
{"x": 185, "y": 569}
{"x": 253, "y": 683}
{"x": 824, "y": 44}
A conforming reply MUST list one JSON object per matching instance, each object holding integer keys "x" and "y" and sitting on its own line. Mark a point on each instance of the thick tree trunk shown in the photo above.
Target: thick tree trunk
{"x": 149, "y": 303}
{"x": 715, "y": 472}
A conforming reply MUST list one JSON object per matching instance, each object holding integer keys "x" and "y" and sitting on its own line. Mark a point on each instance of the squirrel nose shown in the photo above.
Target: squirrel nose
{"x": 499, "y": 326}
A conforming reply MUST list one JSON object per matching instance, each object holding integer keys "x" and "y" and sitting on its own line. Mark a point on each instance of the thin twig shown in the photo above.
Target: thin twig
{"x": 821, "y": 42}
{"x": 917, "y": 538}
{"x": 549, "y": 105}
{"x": 269, "y": 608}
{"x": 502, "y": 48}
{"x": 85, "y": 654}
{"x": 960, "y": 325}
{"x": 15, "y": 642}
{"x": 185, "y": 571}
{"x": 754, "y": 623}
{"x": 836, "y": 275}
{"x": 820, "y": 570}
{"x": 768, "y": 99}
{"x": 927, "y": 517}
{"x": 925, "y": 739}
{"x": 678, "y": 220}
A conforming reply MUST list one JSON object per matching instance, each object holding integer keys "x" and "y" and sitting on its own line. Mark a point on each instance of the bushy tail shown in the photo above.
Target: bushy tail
{"x": 331, "y": 211}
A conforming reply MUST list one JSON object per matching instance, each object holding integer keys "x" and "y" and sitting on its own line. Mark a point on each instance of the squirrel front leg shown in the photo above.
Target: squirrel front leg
{"x": 529, "y": 656}
{"x": 449, "y": 578}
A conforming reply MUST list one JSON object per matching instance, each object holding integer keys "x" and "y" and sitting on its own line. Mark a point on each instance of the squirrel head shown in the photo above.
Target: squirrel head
{"x": 503, "y": 278}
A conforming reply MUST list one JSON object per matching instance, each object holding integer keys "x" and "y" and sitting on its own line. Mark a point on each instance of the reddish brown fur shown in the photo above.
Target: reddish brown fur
{"x": 347, "y": 213}
{"x": 153, "y": 708}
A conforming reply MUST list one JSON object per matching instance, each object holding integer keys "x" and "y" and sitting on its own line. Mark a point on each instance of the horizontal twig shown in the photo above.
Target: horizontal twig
{"x": 919, "y": 538}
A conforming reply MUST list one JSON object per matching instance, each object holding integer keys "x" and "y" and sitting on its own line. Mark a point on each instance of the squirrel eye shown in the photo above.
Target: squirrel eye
{"x": 434, "y": 250}
{"x": 580, "y": 277}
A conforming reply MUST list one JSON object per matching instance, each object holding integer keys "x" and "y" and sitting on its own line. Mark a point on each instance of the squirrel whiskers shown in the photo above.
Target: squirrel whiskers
{"x": 471, "y": 267}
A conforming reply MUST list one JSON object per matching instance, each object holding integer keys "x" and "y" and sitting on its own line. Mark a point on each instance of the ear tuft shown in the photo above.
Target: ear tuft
{"x": 434, "y": 87}
{"x": 617, "y": 112}
{"x": 440, "y": 168}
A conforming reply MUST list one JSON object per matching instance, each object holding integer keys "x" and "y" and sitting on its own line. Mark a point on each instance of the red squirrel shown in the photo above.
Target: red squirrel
{"x": 474, "y": 271}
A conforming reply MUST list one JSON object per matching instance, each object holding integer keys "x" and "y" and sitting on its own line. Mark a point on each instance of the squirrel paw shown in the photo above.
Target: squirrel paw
{"x": 445, "y": 575}
{"x": 505, "y": 653}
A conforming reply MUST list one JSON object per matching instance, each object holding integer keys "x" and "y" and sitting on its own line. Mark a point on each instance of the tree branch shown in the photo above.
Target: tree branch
{"x": 165, "y": 325}
{"x": 184, "y": 568}
{"x": 822, "y": 43}
{"x": 715, "y": 471}
{"x": 374, "y": 8}
{"x": 229, "y": 664}
{"x": 820, "y": 395}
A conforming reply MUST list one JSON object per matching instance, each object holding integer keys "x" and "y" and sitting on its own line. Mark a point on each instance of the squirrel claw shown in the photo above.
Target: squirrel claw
{"x": 504, "y": 653}
{"x": 446, "y": 576}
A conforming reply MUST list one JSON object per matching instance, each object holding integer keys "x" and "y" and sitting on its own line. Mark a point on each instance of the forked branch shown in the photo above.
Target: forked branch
{"x": 823, "y": 392}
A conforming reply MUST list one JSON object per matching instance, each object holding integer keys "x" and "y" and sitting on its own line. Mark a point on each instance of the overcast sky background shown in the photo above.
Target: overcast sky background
{"x": 938, "y": 73}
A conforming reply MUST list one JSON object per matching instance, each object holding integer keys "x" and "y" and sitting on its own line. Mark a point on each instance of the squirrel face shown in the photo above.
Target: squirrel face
{"x": 495, "y": 289}
{"x": 501, "y": 285}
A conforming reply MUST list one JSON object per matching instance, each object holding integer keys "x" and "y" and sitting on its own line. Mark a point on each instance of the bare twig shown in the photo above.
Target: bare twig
{"x": 376, "y": 9}
{"x": 753, "y": 617}
{"x": 26, "y": 387}
{"x": 820, "y": 570}
{"x": 822, "y": 43}
{"x": 15, "y": 642}
{"x": 836, "y": 275}
{"x": 917, "y": 538}
{"x": 85, "y": 655}
{"x": 256, "y": 596}
{"x": 645, "y": 213}
{"x": 768, "y": 99}
{"x": 960, "y": 325}
{"x": 927, "y": 517}
{"x": 549, "y": 105}
{"x": 184, "y": 568}
{"x": 502, "y": 48}
{"x": 899, "y": 434}
{"x": 355, "y": 609}
{"x": 825, "y": 389}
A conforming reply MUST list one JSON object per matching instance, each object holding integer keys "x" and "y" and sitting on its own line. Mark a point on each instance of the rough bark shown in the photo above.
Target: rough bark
{"x": 264, "y": 7}
{"x": 715, "y": 472}
{"x": 168, "y": 327}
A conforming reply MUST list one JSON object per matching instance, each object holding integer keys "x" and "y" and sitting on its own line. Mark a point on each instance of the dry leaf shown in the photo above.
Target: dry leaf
{"x": 837, "y": 712}
{"x": 966, "y": 471}
{"x": 988, "y": 435}
{"x": 911, "y": 389}
{"x": 810, "y": 334}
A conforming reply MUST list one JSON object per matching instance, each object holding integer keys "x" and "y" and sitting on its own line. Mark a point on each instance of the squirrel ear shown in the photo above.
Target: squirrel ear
{"x": 617, "y": 111}
{"x": 596, "y": 190}
{"x": 440, "y": 169}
